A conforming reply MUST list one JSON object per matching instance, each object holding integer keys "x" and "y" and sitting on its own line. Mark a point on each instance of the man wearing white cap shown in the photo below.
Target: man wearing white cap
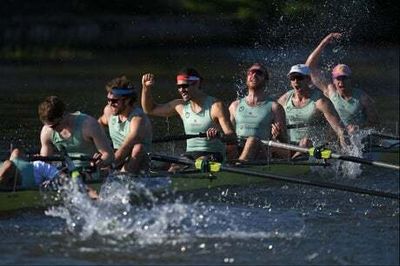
{"x": 308, "y": 108}
{"x": 354, "y": 106}
{"x": 198, "y": 111}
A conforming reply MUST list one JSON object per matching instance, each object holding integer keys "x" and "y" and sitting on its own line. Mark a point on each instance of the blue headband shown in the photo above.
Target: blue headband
{"x": 122, "y": 91}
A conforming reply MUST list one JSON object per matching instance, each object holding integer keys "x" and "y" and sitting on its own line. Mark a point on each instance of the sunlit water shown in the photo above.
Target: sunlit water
{"x": 273, "y": 223}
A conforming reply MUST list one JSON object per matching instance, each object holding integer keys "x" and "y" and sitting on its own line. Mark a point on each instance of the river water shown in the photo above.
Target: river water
{"x": 272, "y": 223}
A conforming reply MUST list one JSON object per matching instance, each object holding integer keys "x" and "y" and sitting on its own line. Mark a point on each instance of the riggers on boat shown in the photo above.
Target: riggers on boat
{"x": 201, "y": 174}
{"x": 156, "y": 182}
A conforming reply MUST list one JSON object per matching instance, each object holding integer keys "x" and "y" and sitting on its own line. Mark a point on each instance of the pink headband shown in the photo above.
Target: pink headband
{"x": 187, "y": 78}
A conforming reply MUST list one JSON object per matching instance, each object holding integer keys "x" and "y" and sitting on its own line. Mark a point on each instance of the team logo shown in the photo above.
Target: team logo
{"x": 241, "y": 108}
{"x": 187, "y": 114}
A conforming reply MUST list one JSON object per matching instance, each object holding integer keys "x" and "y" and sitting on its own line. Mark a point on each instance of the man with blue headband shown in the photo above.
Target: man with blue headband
{"x": 129, "y": 127}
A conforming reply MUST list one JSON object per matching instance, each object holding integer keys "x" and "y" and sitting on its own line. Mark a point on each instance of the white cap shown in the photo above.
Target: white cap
{"x": 301, "y": 69}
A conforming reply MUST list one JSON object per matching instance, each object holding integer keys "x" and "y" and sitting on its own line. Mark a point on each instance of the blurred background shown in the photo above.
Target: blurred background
{"x": 72, "y": 48}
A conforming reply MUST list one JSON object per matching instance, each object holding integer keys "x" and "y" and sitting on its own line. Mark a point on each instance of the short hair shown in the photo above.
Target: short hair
{"x": 122, "y": 83}
{"x": 52, "y": 108}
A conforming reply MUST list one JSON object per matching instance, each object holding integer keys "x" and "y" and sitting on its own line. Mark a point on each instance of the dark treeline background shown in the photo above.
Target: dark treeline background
{"x": 104, "y": 24}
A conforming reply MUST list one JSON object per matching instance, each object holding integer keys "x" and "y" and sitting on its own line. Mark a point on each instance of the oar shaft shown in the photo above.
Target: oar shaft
{"x": 312, "y": 183}
{"x": 184, "y": 161}
{"x": 179, "y": 137}
{"x": 333, "y": 155}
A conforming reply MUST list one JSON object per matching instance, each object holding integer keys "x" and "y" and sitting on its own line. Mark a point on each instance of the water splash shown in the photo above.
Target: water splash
{"x": 113, "y": 217}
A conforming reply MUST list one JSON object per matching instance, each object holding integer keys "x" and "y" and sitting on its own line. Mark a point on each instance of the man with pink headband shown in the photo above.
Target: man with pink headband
{"x": 355, "y": 108}
{"x": 198, "y": 111}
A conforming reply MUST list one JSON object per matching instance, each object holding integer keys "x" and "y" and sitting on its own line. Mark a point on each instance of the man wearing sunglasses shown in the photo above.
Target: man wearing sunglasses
{"x": 198, "y": 111}
{"x": 79, "y": 134}
{"x": 254, "y": 115}
{"x": 308, "y": 108}
{"x": 128, "y": 126}
{"x": 354, "y": 106}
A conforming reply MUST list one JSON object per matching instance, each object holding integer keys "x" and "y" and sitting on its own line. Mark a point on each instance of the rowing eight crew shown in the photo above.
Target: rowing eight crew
{"x": 251, "y": 119}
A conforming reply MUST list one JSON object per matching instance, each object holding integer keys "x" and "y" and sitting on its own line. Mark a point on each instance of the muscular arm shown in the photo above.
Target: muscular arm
{"x": 92, "y": 130}
{"x": 312, "y": 61}
{"x": 370, "y": 111}
{"x": 136, "y": 135}
{"x": 150, "y": 106}
{"x": 279, "y": 121}
{"x": 232, "y": 112}
{"x": 47, "y": 147}
{"x": 326, "y": 107}
{"x": 103, "y": 119}
{"x": 220, "y": 115}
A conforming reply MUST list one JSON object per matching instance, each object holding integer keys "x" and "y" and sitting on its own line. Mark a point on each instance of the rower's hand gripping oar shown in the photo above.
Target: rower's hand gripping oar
{"x": 323, "y": 153}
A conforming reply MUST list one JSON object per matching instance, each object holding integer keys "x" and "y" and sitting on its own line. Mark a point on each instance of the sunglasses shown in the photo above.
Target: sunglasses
{"x": 113, "y": 101}
{"x": 258, "y": 72}
{"x": 296, "y": 77}
{"x": 182, "y": 86}
{"x": 342, "y": 78}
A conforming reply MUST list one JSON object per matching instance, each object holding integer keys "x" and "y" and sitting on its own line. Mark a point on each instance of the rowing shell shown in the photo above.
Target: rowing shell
{"x": 159, "y": 182}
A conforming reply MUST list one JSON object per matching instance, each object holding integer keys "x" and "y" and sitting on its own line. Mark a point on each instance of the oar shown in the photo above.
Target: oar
{"x": 327, "y": 154}
{"x": 385, "y": 136}
{"x": 55, "y": 158}
{"x": 179, "y": 137}
{"x": 217, "y": 167}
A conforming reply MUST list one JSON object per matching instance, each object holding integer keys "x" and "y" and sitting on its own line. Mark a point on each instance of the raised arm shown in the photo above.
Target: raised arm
{"x": 313, "y": 59}
{"x": 150, "y": 106}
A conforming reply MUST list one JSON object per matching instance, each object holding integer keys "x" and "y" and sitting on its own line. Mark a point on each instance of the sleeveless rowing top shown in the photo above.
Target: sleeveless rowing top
{"x": 194, "y": 123}
{"x": 301, "y": 115}
{"x": 254, "y": 120}
{"x": 75, "y": 145}
{"x": 119, "y": 130}
{"x": 25, "y": 170}
{"x": 350, "y": 111}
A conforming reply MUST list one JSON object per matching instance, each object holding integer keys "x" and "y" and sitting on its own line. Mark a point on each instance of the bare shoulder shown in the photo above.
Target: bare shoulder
{"x": 234, "y": 105}
{"x": 283, "y": 98}
{"x": 46, "y": 132}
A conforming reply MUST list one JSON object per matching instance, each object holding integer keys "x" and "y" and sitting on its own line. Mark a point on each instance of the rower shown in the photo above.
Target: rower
{"x": 78, "y": 133}
{"x": 355, "y": 108}
{"x": 128, "y": 126}
{"x": 18, "y": 173}
{"x": 306, "y": 105}
{"x": 254, "y": 115}
{"x": 198, "y": 111}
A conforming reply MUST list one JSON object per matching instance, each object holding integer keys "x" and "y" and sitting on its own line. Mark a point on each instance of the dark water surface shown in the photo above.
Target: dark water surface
{"x": 274, "y": 223}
